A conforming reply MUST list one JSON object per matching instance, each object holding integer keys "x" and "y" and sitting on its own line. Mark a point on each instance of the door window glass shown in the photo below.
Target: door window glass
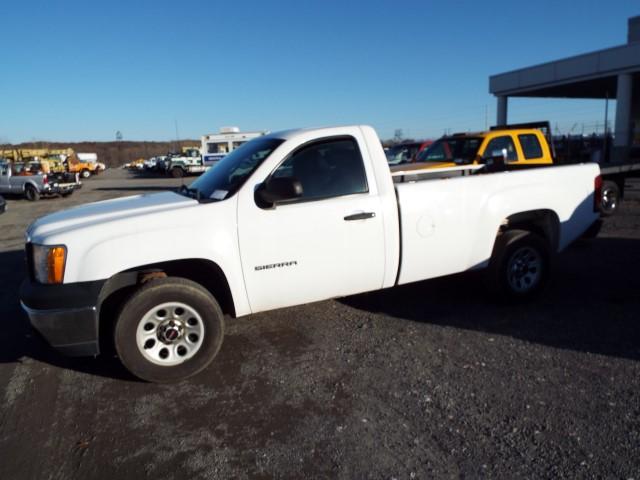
{"x": 327, "y": 169}
{"x": 501, "y": 146}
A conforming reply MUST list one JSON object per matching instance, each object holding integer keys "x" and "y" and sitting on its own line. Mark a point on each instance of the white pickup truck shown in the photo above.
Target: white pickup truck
{"x": 288, "y": 218}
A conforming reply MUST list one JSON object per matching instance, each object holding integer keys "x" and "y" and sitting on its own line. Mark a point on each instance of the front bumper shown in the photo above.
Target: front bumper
{"x": 66, "y": 315}
{"x": 72, "y": 331}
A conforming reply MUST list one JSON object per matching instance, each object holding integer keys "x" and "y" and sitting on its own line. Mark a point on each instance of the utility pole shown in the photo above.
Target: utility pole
{"x": 177, "y": 135}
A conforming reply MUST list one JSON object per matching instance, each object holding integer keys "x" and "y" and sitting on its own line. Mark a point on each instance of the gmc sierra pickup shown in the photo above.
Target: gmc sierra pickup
{"x": 287, "y": 218}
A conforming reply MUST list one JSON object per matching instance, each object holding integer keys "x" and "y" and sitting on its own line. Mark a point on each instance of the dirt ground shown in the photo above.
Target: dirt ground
{"x": 429, "y": 380}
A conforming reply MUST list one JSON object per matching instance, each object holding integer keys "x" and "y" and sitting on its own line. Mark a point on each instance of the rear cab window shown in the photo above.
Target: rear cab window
{"x": 531, "y": 147}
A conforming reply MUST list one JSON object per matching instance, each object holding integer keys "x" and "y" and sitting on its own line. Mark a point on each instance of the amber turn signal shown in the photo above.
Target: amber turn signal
{"x": 55, "y": 264}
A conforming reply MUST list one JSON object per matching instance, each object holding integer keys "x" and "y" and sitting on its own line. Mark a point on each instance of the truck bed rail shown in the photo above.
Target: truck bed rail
{"x": 402, "y": 176}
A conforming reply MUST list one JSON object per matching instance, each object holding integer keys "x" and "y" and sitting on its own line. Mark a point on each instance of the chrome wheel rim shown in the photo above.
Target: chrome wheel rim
{"x": 609, "y": 199}
{"x": 170, "y": 334}
{"x": 524, "y": 269}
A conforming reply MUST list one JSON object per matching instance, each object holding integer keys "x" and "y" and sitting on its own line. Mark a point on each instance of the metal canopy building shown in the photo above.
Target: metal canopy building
{"x": 610, "y": 73}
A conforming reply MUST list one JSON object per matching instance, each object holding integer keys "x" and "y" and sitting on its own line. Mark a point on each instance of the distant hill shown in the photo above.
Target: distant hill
{"x": 113, "y": 154}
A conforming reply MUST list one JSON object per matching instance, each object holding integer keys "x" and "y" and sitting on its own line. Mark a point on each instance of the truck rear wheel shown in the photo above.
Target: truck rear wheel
{"x": 520, "y": 265}
{"x": 610, "y": 198}
{"x": 31, "y": 193}
{"x": 85, "y": 173}
{"x": 169, "y": 330}
{"x": 177, "y": 172}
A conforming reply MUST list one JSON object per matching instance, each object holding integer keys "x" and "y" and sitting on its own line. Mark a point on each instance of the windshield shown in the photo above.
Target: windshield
{"x": 451, "y": 149}
{"x": 223, "y": 180}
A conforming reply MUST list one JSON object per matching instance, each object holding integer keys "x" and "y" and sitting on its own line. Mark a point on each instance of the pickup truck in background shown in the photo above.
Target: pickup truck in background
{"x": 55, "y": 174}
{"x": 17, "y": 179}
{"x": 518, "y": 147}
{"x": 189, "y": 162}
{"x": 288, "y": 218}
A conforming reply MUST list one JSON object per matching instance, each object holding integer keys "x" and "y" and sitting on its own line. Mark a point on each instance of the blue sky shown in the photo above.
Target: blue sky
{"x": 81, "y": 70}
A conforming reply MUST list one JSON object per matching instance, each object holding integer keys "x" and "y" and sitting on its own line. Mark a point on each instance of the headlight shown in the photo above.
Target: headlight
{"x": 49, "y": 262}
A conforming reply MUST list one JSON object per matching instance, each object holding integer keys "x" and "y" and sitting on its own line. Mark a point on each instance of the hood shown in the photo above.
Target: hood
{"x": 105, "y": 211}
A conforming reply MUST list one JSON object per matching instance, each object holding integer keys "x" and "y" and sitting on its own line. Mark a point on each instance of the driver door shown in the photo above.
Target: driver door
{"x": 329, "y": 242}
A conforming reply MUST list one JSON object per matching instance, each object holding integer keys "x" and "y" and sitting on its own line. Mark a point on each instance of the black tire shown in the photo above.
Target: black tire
{"x": 520, "y": 265}
{"x": 610, "y": 198}
{"x": 177, "y": 172}
{"x": 156, "y": 293}
{"x": 85, "y": 173}
{"x": 31, "y": 193}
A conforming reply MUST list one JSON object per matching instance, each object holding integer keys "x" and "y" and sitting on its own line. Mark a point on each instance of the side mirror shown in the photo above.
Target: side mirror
{"x": 495, "y": 163}
{"x": 277, "y": 190}
{"x": 499, "y": 154}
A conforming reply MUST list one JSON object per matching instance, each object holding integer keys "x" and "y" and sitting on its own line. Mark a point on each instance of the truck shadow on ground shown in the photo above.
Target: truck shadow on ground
{"x": 591, "y": 303}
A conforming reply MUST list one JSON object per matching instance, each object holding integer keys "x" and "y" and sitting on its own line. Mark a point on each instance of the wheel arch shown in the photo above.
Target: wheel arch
{"x": 121, "y": 285}
{"x": 544, "y": 222}
{"x": 30, "y": 183}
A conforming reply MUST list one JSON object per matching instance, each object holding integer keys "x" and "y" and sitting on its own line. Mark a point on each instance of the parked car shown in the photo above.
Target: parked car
{"x": 290, "y": 218}
{"x": 17, "y": 178}
{"x": 3, "y": 204}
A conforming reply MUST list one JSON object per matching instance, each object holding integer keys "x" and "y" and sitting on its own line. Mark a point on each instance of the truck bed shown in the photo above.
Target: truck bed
{"x": 449, "y": 224}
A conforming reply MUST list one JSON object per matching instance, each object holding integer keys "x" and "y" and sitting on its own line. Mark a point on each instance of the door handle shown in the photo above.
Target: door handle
{"x": 360, "y": 216}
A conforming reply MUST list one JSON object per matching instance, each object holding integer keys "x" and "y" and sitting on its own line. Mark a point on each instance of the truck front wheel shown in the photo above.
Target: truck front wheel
{"x": 169, "y": 330}
{"x": 520, "y": 265}
{"x": 85, "y": 173}
{"x": 177, "y": 172}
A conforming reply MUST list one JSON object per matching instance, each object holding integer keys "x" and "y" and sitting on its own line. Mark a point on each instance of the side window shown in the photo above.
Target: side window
{"x": 499, "y": 146}
{"x": 530, "y": 146}
{"x": 327, "y": 169}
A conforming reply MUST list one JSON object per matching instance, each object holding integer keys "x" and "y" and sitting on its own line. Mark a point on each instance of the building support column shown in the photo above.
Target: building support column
{"x": 503, "y": 104}
{"x": 623, "y": 130}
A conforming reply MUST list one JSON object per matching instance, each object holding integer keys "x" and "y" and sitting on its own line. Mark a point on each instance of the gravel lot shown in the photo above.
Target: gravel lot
{"x": 428, "y": 380}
